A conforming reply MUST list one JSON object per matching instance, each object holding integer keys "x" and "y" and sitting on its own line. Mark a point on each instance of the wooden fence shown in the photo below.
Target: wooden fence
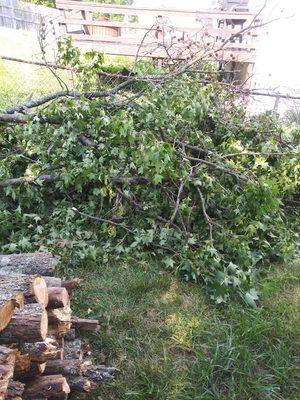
{"x": 18, "y": 15}
{"x": 119, "y": 29}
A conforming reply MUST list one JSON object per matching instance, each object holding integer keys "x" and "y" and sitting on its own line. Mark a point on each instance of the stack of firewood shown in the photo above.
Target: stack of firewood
{"x": 41, "y": 355}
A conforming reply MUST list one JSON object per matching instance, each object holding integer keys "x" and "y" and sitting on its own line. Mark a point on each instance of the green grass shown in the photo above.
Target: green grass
{"x": 171, "y": 343}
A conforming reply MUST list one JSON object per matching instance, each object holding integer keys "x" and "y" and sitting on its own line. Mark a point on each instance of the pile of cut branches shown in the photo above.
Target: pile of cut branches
{"x": 174, "y": 169}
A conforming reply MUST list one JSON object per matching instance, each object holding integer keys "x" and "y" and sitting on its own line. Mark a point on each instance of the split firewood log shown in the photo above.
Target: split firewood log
{"x": 15, "y": 390}
{"x": 67, "y": 367}
{"x": 81, "y": 384}
{"x": 33, "y": 287}
{"x": 8, "y": 302}
{"x": 85, "y": 325}
{"x": 7, "y": 364}
{"x": 59, "y": 321}
{"x": 69, "y": 285}
{"x": 58, "y": 297}
{"x": 47, "y": 387}
{"x": 41, "y": 351}
{"x": 27, "y": 325}
{"x": 29, "y": 263}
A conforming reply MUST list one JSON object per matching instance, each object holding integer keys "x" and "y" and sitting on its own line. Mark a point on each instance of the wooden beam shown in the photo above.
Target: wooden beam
{"x": 129, "y": 50}
{"x": 129, "y": 10}
{"x": 132, "y": 25}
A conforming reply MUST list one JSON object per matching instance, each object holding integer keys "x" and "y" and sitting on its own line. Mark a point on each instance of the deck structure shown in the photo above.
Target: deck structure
{"x": 159, "y": 32}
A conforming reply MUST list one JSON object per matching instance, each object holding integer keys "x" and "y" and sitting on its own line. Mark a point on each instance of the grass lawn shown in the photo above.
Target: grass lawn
{"x": 171, "y": 343}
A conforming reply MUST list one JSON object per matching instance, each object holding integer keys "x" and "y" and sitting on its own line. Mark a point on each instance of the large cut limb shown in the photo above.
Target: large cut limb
{"x": 27, "y": 325}
{"x": 28, "y": 263}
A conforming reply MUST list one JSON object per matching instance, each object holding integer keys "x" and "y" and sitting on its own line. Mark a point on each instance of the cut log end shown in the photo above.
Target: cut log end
{"x": 58, "y": 297}
{"x": 40, "y": 290}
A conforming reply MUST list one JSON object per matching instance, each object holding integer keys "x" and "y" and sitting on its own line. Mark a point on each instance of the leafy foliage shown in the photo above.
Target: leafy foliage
{"x": 181, "y": 173}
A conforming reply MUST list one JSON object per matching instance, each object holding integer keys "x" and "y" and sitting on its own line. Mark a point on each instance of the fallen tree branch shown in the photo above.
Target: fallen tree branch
{"x": 214, "y": 166}
{"x": 69, "y": 94}
{"x": 99, "y": 219}
{"x": 27, "y": 179}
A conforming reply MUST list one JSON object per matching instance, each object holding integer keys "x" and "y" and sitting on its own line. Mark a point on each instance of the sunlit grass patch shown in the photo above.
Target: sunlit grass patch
{"x": 171, "y": 343}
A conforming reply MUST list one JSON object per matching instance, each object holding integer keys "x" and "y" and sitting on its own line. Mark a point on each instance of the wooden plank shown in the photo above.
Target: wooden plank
{"x": 131, "y": 50}
{"x": 129, "y": 10}
{"x": 131, "y": 25}
{"x": 152, "y": 42}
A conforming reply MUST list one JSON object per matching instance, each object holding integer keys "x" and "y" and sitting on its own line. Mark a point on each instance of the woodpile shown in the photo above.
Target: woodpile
{"x": 41, "y": 353}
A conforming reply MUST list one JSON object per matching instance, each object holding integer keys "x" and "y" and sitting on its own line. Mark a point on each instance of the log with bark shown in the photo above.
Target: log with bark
{"x": 8, "y": 302}
{"x": 27, "y": 325}
{"x": 58, "y": 297}
{"x": 7, "y": 364}
{"x": 45, "y": 387}
{"x": 85, "y": 325}
{"x": 59, "y": 321}
{"x": 67, "y": 367}
{"x": 33, "y": 287}
{"x": 15, "y": 390}
{"x": 29, "y": 263}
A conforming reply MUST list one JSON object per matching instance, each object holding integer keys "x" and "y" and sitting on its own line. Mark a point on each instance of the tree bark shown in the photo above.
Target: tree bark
{"x": 29, "y": 263}
{"x": 40, "y": 351}
{"x": 33, "y": 287}
{"x": 85, "y": 325}
{"x": 99, "y": 373}
{"x": 7, "y": 364}
{"x": 8, "y": 302}
{"x": 27, "y": 325}
{"x": 44, "y": 387}
{"x": 72, "y": 350}
{"x": 15, "y": 390}
{"x": 52, "y": 281}
{"x": 67, "y": 367}
{"x": 81, "y": 384}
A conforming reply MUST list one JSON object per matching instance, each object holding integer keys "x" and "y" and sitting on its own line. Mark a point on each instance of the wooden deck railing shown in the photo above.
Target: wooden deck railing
{"x": 120, "y": 29}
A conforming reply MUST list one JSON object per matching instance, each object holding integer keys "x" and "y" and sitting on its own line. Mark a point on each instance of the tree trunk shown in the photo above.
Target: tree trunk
{"x": 67, "y": 367}
{"x": 33, "y": 287}
{"x": 29, "y": 263}
{"x": 8, "y": 302}
{"x": 85, "y": 325}
{"x": 44, "y": 387}
{"x": 58, "y": 297}
{"x": 27, "y": 325}
{"x": 7, "y": 364}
